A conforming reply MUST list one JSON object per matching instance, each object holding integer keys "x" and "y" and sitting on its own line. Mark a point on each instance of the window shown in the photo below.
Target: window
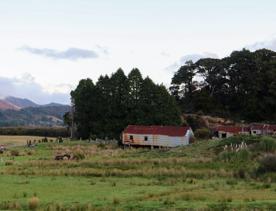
{"x": 145, "y": 138}
{"x": 223, "y": 135}
{"x": 131, "y": 137}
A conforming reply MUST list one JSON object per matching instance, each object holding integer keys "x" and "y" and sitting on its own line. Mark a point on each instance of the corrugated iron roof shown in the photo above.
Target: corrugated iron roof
{"x": 272, "y": 127}
{"x": 255, "y": 126}
{"x": 157, "y": 130}
{"x": 232, "y": 129}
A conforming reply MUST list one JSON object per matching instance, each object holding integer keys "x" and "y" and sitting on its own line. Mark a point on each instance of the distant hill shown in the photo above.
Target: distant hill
{"x": 34, "y": 116}
{"x": 52, "y": 104}
{"x": 24, "y": 112}
{"x": 5, "y": 105}
{"x": 21, "y": 103}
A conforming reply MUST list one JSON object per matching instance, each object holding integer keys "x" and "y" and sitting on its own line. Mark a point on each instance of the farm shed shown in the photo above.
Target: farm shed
{"x": 228, "y": 131}
{"x": 252, "y": 129}
{"x": 272, "y": 130}
{"x": 157, "y": 136}
{"x": 262, "y": 129}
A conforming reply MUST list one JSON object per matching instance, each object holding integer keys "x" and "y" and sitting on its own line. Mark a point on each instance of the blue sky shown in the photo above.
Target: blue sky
{"x": 52, "y": 44}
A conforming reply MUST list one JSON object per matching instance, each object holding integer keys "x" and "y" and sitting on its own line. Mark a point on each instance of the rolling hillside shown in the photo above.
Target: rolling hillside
{"x": 21, "y": 103}
{"x": 23, "y": 112}
{"x": 4, "y": 105}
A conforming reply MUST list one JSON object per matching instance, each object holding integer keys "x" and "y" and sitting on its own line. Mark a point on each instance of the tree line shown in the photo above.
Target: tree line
{"x": 103, "y": 109}
{"x": 240, "y": 87}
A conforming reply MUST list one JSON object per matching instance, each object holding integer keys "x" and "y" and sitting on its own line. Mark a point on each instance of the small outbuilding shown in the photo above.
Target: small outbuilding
{"x": 157, "y": 136}
{"x": 228, "y": 131}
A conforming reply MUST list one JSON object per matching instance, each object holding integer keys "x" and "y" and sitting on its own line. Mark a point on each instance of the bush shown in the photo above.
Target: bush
{"x": 101, "y": 146}
{"x": 237, "y": 140}
{"x": 78, "y": 155}
{"x": 14, "y": 153}
{"x": 195, "y": 121}
{"x": 241, "y": 173}
{"x": 232, "y": 156}
{"x": 8, "y": 163}
{"x": 33, "y": 203}
{"x": 116, "y": 201}
{"x": 203, "y": 133}
{"x": 267, "y": 164}
{"x": 267, "y": 144}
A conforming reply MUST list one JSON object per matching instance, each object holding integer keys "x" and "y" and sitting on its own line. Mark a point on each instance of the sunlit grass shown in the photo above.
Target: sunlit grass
{"x": 110, "y": 177}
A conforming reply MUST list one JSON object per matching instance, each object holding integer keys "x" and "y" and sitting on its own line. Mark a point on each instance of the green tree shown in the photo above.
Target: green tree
{"x": 135, "y": 82}
{"x": 241, "y": 86}
{"x": 87, "y": 108}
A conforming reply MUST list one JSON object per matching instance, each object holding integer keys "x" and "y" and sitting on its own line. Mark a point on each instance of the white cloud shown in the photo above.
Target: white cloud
{"x": 69, "y": 54}
{"x": 269, "y": 44}
{"x": 190, "y": 57}
{"x": 26, "y": 87}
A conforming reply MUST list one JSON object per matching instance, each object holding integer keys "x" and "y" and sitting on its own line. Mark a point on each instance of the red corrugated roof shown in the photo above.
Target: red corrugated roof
{"x": 232, "y": 129}
{"x": 255, "y": 126}
{"x": 157, "y": 130}
{"x": 272, "y": 127}
{"x": 238, "y": 129}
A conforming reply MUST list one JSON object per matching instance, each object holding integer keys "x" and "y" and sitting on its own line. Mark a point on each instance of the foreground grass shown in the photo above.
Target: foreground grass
{"x": 111, "y": 178}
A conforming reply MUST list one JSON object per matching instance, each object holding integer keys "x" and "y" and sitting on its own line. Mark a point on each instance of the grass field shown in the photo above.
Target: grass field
{"x": 107, "y": 177}
{"x": 16, "y": 140}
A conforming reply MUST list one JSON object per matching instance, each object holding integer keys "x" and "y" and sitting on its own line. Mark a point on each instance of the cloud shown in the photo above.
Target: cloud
{"x": 26, "y": 87}
{"x": 269, "y": 44}
{"x": 69, "y": 54}
{"x": 190, "y": 57}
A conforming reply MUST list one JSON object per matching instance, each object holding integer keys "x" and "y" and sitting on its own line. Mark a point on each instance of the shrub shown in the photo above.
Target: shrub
{"x": 14, "y": 153}
{"x": 101, "y": 146}
{"x": 241, "y": 173}
{"x": 195, "y": 121}
{"x": 116, "y": 201}
{"x": 33, "y": 203}
{"x": 231, "y": 182}
{"x": 203, "y": 133}
{"x": 59, "y": 140}
{"x": 232, "y": 156}
{"x": 8, "y": 163}
{"x": 78, "y": 155}
{"x": 45, "y": 140}
{"x": 267, "y": 164}
{"x": 267, "y": 144}
{"x": 29, "y": 152}
{"x": 236, "y": 140}
{"x": 168, "y": 201}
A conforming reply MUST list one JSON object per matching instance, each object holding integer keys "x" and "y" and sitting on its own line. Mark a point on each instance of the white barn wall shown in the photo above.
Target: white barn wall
{"x": 157, "y": 140}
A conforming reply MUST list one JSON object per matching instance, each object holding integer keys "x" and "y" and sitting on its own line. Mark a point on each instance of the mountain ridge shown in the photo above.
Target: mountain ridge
{"x": 24, "y": 112}
{"x": 16, "y": 103}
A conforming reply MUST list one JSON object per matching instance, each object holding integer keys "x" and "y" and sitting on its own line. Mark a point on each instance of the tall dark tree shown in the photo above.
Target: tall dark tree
{"x": 183, "y": 84}
{"x": 105, "y": 109}
{"x": 135, "y": 82}
{"x": 118, "y": 103}
{"x": 241, "y": 86}
{"x": 84, "y": 97}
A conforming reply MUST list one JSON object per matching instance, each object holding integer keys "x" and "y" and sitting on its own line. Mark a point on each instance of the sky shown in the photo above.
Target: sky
{"x": 47, "y": 46}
